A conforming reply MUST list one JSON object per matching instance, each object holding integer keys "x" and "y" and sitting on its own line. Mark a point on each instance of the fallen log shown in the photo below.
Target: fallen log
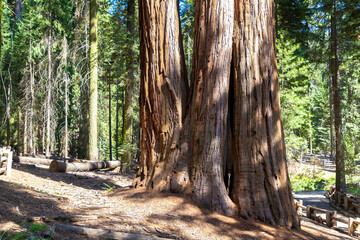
{"x": 31, "y": 160}
{"x": 57, "y": 166}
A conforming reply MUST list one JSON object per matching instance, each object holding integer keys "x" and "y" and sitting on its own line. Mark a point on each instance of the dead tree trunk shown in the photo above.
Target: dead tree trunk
{"x": 49, "y": 86}
{"x": 32, "y": 100}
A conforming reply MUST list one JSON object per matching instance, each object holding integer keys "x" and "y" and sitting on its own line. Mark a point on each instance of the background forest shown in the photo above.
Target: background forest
{"x": 45, "y": 52}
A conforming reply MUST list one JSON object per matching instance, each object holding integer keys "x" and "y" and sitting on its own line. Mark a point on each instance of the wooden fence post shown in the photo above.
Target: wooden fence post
{"x": 351, "y": 226}
{"x": 310, "y": 212}
{"x": 339, "y": 202}
{"x": 346, "y": 203}
{"x": 330, "y": 222}
{"x": 298, "y": 208}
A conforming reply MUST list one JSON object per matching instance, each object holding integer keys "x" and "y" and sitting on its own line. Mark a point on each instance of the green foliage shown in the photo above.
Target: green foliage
{"x": 296, "y": 101}
{"x": 307, "y": 177}
{"x": 309, "y": 183}
{"x": 108, "y": 188}
{"x": 20, "y": 236}
{"x": 36, "y": 227}
{"x": 34, "y": 231}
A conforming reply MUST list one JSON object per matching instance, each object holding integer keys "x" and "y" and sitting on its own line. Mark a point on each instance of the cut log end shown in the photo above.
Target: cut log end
{"x": 54, "y": 166}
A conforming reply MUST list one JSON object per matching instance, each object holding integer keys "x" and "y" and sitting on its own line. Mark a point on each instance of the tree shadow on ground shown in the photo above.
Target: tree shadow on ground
{"x": 182, "y": 217}
{"x": 20, "y": 205}
{"x": 87, "y": 180}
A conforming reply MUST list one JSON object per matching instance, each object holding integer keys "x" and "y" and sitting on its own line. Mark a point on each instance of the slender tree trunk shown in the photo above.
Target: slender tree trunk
{"x": 123, "y": 116}
{"x": 332, "y": 127}
{"x": 32, "y": 99}
{"x": 25, "y": 132}
{"x": 93, "y": 128}
{"x": 8, "y": 104}
{"x": 117, "y": 121}
{"x": 129, "y": 87}
{"x": 48, "y": 100}
{"x": 310, "y": 128}
{"x": 18, "y": 132}
{"x": 43, "y": 132}
{"x": 110, "y": 131}
{"x": 18, "y": 6}
{"x": 163, "y": 91}
{"x": 66, "y": 105}
{"x": 1, "y": 37}
{"x": 339, "y": 160}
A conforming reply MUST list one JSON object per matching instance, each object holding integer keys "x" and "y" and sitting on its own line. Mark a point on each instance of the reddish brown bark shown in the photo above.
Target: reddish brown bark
{"x": 261, "y": 186}
{"x": 236, "y": 159}
{"x": 209, "y": 105}
{"x": 163, "y": 91}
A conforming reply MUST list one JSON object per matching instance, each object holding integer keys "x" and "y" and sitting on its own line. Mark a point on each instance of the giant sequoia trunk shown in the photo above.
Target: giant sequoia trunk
{"x": 163, "y": 90}
{"x": 236, "y": 161}
{"x": 261, "y": 186}
{"x": 209, "y": 105}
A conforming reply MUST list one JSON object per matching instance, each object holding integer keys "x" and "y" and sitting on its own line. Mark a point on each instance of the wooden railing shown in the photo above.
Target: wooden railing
{"x": 6, "y": 157}
{"x": 331, "y": 219}
{"x": 347, "y": 202}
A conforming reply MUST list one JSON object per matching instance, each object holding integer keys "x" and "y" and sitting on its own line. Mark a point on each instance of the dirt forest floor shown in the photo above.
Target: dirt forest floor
{"x": 105, "y": 200}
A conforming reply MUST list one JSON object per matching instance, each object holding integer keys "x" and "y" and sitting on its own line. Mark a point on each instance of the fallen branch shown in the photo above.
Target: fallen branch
{"x": 57, "y": 166}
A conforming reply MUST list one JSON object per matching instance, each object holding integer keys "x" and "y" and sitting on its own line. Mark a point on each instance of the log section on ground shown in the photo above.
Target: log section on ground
{"x": 58, "y": 166}
{"x": 31, "y": 160}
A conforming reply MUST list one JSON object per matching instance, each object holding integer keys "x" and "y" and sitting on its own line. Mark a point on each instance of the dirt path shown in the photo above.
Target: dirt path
{"x": 104, "y": 200}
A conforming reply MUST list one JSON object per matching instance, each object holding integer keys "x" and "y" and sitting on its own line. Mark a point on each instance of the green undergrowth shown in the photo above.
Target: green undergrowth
{"x": 309, "y": 177}
{"x": 32, "y": 231}
{"x": 302, "y": 182}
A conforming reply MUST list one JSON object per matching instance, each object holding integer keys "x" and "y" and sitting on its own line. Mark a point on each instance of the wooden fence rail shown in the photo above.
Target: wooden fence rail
{"x": 346, "y": 201}
{"x": 330, "y": 219}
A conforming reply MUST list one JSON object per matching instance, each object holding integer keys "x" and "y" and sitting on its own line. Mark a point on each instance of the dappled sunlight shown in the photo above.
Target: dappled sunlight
{"x": 178, "y": 215}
